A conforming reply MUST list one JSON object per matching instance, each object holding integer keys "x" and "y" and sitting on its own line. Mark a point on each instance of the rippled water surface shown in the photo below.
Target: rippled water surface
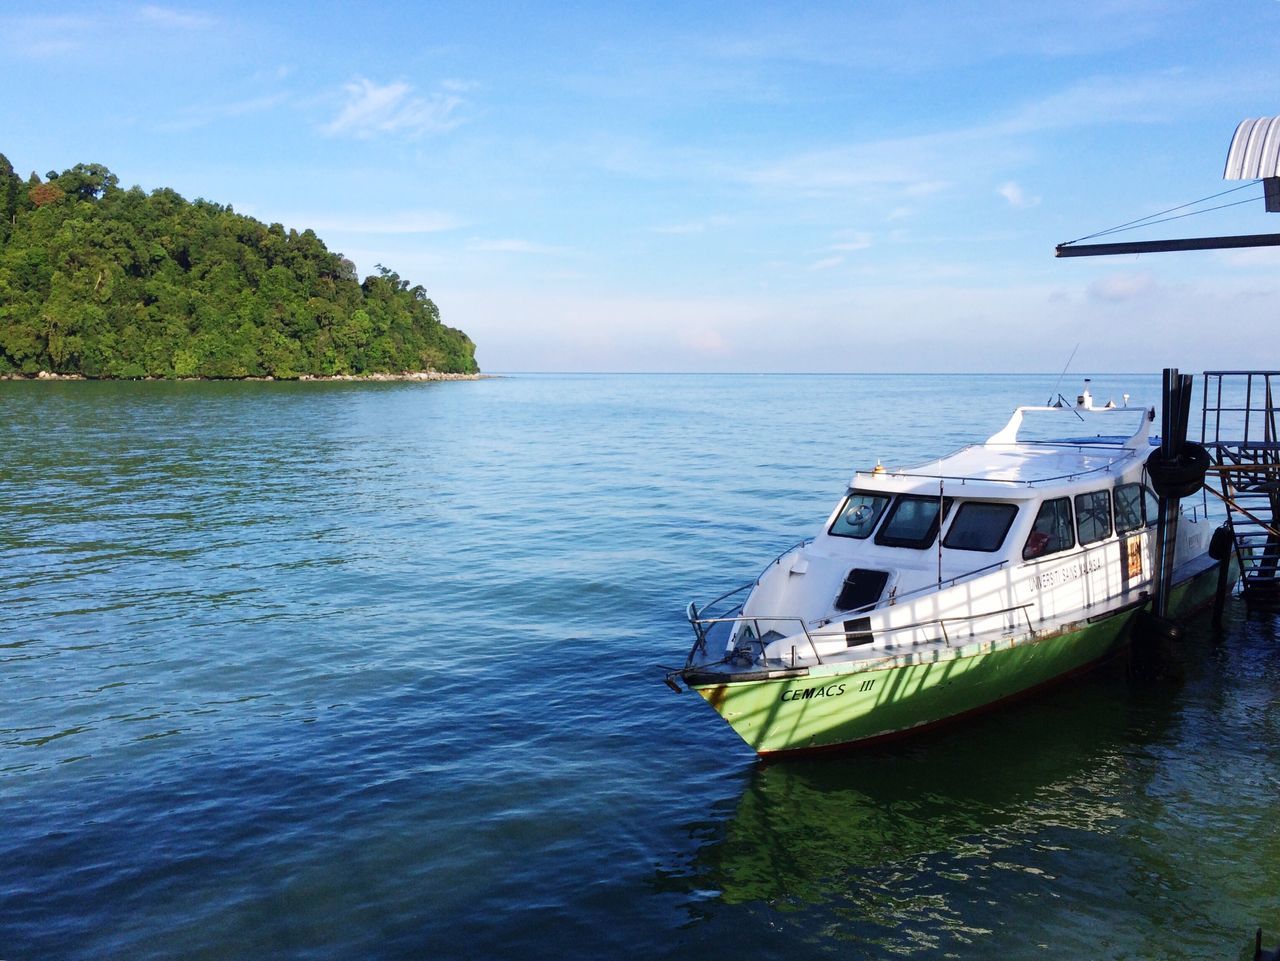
{"x": 336, "y": 671}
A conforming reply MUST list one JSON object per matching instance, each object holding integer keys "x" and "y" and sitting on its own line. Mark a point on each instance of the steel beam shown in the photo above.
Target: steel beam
{"x": 1160, "y": 246}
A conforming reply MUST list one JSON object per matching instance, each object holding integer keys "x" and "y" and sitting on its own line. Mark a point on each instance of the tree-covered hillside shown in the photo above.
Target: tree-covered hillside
{"x": 107, "y": 282}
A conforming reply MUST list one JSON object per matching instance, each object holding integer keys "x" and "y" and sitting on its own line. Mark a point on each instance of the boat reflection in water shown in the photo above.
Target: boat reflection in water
{"x": 957, "y": 839}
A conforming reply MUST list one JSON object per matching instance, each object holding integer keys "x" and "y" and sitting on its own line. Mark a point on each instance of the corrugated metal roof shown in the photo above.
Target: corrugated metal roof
{"x": 1255, "y": 150}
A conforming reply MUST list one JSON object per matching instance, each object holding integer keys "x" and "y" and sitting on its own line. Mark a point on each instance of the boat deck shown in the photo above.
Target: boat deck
{"x": 1025, "y": 465}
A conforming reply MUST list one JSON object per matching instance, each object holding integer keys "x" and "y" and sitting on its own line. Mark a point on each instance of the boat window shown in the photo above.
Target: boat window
{"x": 1129, "y": 508}
{"x": 1052, "y": 531}
{"x": 980, "y": 526}
{"x": 912, "y": 522}
{"x": 1152, "y": 504}
{"x": 1093, "y": 516}
{"x": 861, "y": 588}
{"x": 858, "y": 515}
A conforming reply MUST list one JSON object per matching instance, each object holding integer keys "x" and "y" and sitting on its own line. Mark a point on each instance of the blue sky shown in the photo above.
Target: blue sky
{"x": 857, "y": 186}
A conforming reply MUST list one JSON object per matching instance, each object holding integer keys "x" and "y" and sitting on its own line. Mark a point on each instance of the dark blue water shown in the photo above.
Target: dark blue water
{"x": 334, "y": 671}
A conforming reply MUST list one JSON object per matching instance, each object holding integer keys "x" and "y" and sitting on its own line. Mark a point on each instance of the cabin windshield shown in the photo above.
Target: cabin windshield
{"x": 858, "y": 515}
{"x": 913, "y": 522}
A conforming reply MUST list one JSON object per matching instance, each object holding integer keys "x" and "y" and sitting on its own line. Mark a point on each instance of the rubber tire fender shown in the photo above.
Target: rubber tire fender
{"x": 1181, "y": 477}
{"x": 1222, "y": 543}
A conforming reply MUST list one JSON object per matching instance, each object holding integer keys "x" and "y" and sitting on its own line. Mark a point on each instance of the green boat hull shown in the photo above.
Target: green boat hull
{"x": 835, "y": 706}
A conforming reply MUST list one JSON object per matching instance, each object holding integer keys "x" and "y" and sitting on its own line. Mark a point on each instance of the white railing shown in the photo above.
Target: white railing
{"x": 701, "y": 625}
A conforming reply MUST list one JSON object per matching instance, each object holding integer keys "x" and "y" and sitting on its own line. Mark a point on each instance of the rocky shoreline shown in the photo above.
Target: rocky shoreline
{"x": 409, "y": 375}
{"x": 406, "y": 375}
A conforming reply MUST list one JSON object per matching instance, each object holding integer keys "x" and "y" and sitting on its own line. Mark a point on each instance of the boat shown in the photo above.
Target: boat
{"x": 938, "y": 591}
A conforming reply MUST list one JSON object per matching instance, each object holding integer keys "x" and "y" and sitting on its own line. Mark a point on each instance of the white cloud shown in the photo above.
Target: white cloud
{"x": 205, "y": 114}
{"x": 513, "y": 246}
{"x": 891, "y": 169}
{"x": 854, "y": 242}
{"x": 52, "y": 48}
{"x": 1120, "y": 287}
{"x": 178, "y": 19}
{"x": 1251, "y": 257}
{"x": 372, "y": 110}
{"x": 692, "y": 227}
{"x": 860, "y": 327}
{"x": 887, "y": 171}
{"x": 403, "y": 222}
{"x": 925, "y": 188}
{"x": 840, "y": 169}
{"x": 253, "y": 105}
{"x": 874, "y": 39}
{"x": 1016, "y": 196}
{"x": 704, "y": 341}
{"x": 1135, "y": 98}
{"x": 827, "y": 263}
{"x": 47, "y": 37}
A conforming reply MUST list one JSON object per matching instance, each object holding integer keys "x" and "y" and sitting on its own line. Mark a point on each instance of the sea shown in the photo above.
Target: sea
{"x": 374, "y": 671}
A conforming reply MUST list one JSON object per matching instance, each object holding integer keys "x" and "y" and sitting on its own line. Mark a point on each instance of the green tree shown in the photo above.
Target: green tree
{"x": 87, "y": 181}
{"x": 121, "y": 283}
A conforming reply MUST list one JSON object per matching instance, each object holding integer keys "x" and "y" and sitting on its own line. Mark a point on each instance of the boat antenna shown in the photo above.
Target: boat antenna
{"x": 1063, "y": 374}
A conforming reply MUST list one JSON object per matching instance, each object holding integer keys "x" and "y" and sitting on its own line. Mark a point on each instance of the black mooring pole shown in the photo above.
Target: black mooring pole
{"x": 1176, "y": 471}
{"x": 1224, "y": 587}
{"x": 1173, "y": 433}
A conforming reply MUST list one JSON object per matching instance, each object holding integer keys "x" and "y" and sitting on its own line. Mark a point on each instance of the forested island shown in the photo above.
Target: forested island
{"x": 104, "y": 282}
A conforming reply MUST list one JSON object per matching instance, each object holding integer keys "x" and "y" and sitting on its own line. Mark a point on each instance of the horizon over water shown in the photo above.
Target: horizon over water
{"x": 334, "y": 670}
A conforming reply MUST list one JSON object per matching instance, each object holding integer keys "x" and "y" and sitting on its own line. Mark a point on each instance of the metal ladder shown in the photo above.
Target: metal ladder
{"x": 1239, "y": 428}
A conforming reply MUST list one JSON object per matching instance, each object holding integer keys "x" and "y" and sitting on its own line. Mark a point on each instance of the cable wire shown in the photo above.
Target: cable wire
{"x": 1116, "y": 230}
{"x": 1142, "y": 221}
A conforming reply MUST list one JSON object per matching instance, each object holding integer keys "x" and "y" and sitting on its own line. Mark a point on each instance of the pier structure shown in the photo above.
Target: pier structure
{"x": 1239, "y": 428}
{"x": 1254, "y": 157}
